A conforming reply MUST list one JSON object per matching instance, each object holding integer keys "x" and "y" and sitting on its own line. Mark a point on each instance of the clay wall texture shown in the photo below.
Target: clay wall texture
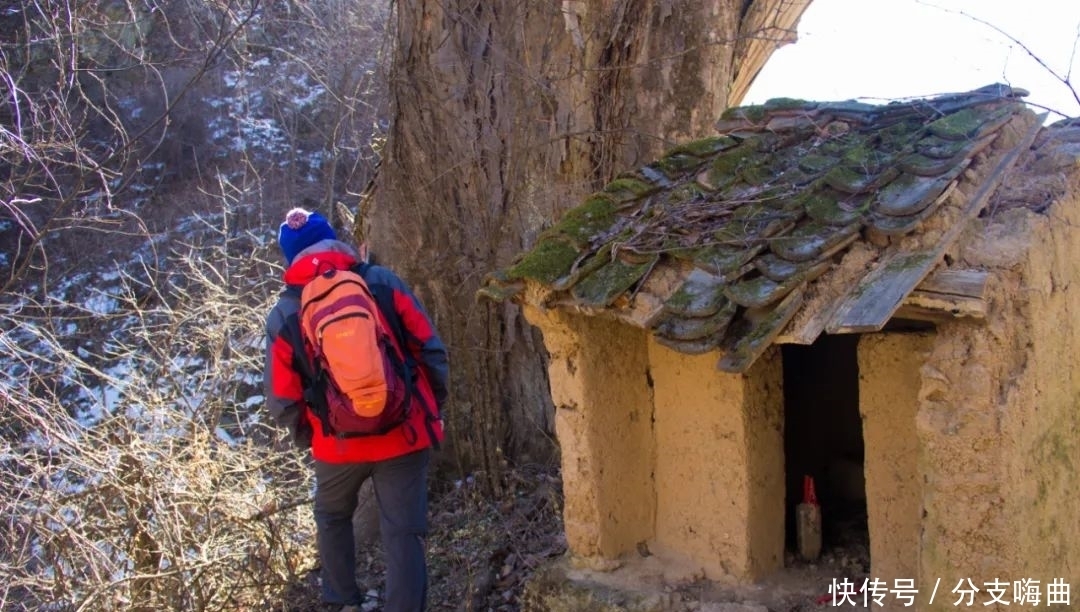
{"x": 603, "y": 418}
{"x": 1000, "y": 416}
{"x": 889, "y": 383}
{"x": 720, "y": 467}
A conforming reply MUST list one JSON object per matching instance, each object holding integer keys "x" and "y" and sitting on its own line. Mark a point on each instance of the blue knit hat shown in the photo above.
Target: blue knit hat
{"x": 302, "y": 229}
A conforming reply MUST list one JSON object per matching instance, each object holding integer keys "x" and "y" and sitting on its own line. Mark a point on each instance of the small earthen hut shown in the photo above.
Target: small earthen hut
{"x": 885, "y": 298}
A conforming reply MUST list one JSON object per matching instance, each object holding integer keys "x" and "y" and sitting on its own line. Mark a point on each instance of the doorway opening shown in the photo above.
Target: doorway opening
{"x": 823, "y": 439}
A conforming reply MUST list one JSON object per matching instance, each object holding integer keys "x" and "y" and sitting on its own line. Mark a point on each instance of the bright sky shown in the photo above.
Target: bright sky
{"x": 879, "y": 50}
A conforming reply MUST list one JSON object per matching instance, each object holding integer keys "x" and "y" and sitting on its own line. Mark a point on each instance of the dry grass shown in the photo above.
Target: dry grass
{"x": 135, "y": 476}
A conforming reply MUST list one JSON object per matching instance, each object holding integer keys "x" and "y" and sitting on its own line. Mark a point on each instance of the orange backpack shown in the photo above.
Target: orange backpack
{"x": 360, "y": 383}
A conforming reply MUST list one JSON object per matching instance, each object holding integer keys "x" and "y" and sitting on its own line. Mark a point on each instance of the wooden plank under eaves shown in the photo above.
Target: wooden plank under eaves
{"x": 966, "y": 283}
{"x": 871, "y": 303}
{"x": 946, "y": 295}
{"x": 761, "y": 330}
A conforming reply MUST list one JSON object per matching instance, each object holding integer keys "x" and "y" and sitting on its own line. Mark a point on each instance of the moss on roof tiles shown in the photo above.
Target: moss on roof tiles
{"x": 629, "y": 188}
{"x": 754, "y": 113}
{"x": 790, "y": 104}
{"x": 911, "y": 193}
{"x": 760, "y": 206}
{"x": 996, "y": 119}
{"x": 834, "y": 208}
{"x": 758, "y": 112}
{"x": 849, "y": 108}
{"x": 893, "y": 225}
{"x": 794, "y": 177}
{"x": 760, "y": 291}
{"x": 854, "y": 180}
{"x": 581, "y": 268}
{"x": 866, "y": 157}
{"x": 756, "y": 331}
{"x": 722, "y": 260}
{"x": 687, "y": 192}
{"x": 817, "y": 163}
{"x": 700, "y": 295}
{"x": 962, "y": 125}
{"x": 706, "y": 147}
{"x": 548, "y": 261}
{"x": 898, "y": 136}
{"x": 759, "y": 221}
{"x": 809, "y": 240}
{"x": 684, "y": 329}
{"x": 746, "y": 231}
{"x": 777, "y": 268}
{"x": 755, "y": 292}
{"x": 939, "y": 148}
{"x": 674, "y": 165}
{"x": 922, "y": 165}
{"x": 703, "y": 148}
{"x": 758, "y": 171}
{"x": 585, "y": 222}
{"x": 604, "y": 285}
{"x": 724, "y": 169}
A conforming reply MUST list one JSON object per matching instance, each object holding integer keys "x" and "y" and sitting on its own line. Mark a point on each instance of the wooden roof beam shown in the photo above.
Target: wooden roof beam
{"x": 947, "y": 295}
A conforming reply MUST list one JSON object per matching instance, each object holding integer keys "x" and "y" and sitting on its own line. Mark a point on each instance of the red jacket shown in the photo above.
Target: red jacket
{"x": 282, "y": 382}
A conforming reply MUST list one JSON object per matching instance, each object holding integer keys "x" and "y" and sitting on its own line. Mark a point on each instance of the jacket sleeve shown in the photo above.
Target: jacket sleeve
{"x": 425, "y": 345}
{"x": 282, "y": 384}
{"x": 423, "y": 342}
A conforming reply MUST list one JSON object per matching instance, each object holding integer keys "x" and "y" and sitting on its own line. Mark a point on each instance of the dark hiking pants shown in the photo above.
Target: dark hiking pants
{"x": 401, "y": 494}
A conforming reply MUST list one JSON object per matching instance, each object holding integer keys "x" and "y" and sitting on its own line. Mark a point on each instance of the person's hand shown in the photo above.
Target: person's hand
{"x": 302, "y": 433}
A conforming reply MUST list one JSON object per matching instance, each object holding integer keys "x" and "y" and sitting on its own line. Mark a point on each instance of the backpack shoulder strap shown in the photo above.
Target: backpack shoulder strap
{"x": 384, "y": 299}
{"x": 312, "y": 377}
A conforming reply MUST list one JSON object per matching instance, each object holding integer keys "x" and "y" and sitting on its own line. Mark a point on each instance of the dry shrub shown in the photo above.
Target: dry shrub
{"x": 136, "y": 473}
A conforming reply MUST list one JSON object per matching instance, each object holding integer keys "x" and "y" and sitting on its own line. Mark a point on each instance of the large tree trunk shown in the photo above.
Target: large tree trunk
{"x": 505, "y": 114}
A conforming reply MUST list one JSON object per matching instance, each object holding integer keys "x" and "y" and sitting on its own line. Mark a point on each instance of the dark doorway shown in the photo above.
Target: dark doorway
{"x": 823, "y": 439}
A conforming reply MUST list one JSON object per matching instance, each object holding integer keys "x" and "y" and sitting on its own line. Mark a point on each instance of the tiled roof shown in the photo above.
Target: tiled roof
{"x": 745, "y": 224}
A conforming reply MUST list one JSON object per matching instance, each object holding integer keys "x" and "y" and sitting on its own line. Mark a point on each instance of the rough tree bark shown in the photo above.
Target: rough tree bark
{"x": 505, "y": 113}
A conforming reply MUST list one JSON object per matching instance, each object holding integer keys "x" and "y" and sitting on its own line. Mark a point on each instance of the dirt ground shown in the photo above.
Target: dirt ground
{"x": 483, "y": 551}
{"x": 799, "y": 587}
{"x": 480, "y": 551}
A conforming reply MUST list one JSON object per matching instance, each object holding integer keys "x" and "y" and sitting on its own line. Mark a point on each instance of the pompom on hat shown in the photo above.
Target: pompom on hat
{"x": 302, "y": 229}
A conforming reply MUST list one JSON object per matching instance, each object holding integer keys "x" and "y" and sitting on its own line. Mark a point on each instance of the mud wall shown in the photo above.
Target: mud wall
{"x": 719, "y": 467}
{"x": 999, "y": 416}
{"x": 1041, "y": 424}
{"x": 763, "y": 427}
{"x": 603, "y": 418}
{"x": 889, "y": 383}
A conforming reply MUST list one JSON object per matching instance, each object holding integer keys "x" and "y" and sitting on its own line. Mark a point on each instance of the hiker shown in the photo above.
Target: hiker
{"x": 397, "y": 461}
